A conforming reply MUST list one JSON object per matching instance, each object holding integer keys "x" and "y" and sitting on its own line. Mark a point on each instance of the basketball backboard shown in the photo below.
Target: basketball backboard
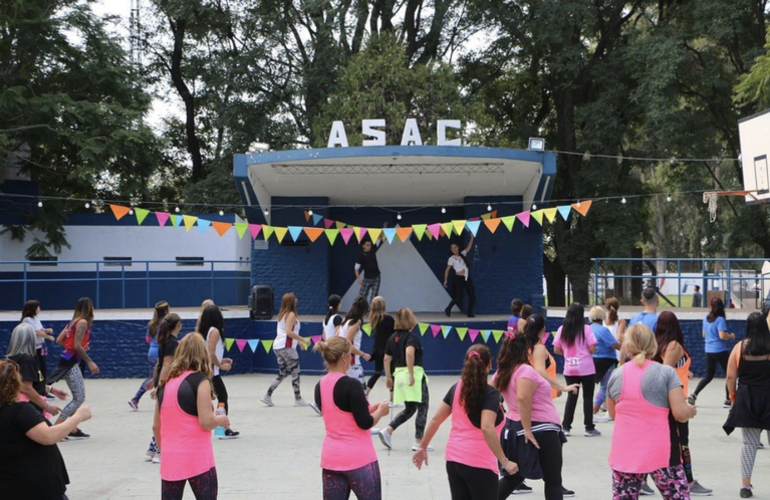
{"x": 755, "y": 156}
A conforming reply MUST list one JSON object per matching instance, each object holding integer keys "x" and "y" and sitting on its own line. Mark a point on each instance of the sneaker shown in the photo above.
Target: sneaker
{"x": 697, "y": 490}
{"x": 316, "y": 409}
{"x": 267, "y": 400}
{"x": 589, "y": 433}
{"x": 727, "y": 404}
{"x": 415, "y": 446}
{"x": 692, "y": 399}
{"x": 50, "y": 397}
{"x": 149, "y": 456}
{"x": 391, "y": 405}
{"x": 133, "y": 404}
{"x": 448, "y": 312}
{"x": 387, "y": 439}
{"x": 230, "y": 434}
{"x": 746, "y": 492}
{"x": 600, "y": 418}
{"x": 300, "y": 403}
{"x": 374, "y": 431}
{"x": 156, "y": 458}
{"x": 77, "y": 435}
{"x": 646, "y": 490}
{"x": 566, "y": 432}
{"x": 523, "y": 489}
{"x": 567, "y": 493}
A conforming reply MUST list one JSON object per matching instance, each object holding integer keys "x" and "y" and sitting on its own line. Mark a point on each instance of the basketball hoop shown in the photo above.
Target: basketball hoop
{"x": 711, "y": 198}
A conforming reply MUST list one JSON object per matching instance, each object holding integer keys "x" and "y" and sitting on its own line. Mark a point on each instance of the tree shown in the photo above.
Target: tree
{"x": 754, "y": 86}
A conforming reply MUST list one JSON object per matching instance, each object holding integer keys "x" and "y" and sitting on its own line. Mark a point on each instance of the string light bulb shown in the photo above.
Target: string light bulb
{"x": 40, "y": 204}
{"x": 131, "y": 212}
{"x": 668, "y": 198}
{"x": 88, "y": 205}
{"x": 623, "y": 201}
{"x": 221, "y": 212}
{"x": 176, "y": 209}
{"x": 489, "y": 208}
{"x": 443, "y": 210}
{"x": 398, "y": 216}
{"x": 534, "y": 207}
{"x": 310, "y": 212}
{"x": 267, "y": 212}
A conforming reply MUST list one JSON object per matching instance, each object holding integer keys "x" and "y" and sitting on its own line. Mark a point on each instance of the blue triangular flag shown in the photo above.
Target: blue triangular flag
{"x": 316, "y": 219}
{"x": 179, "y": 219}
{"x": 295, "y": 231}
{"x": 390, "y": 233}
{"x": 203, "y": 224}
{"x": 564, "y": 210}
{"x": 253, "y": 343}
{"x": 445, "y": 330}
{"x": 473, "y": 226}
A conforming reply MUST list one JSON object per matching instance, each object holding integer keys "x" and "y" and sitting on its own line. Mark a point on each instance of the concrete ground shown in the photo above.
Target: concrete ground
{"x": 278, "y": 453}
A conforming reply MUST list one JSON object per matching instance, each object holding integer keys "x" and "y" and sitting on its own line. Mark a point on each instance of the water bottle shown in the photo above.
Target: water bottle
{"x": 220, "y": 431}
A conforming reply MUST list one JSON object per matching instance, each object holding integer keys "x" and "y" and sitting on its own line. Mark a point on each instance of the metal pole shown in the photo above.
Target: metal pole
{"x": 25, "y": 281}
{"x": 123, "y": 283}
{"x": 679, "y": 281}
{"x": 729, "y": 283}
{"x": 596, "y": 281}
{"x": 212, "y": 280}
{"x": 147, "y": 277}
{"x": 98, "y": 284}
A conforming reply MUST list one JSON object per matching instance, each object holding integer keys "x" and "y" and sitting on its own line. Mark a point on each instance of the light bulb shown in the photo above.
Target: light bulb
{"x": 88, "y": 205}
{"x": 398, "y": 216}
{"x": 267, "y": 212}
{"x": 221, "y": 212}
{"x": 623, "y": 201}
{"x": 534, "y": 207}
{"x": 131, "y": 212}
{"x": 489, "y": 208}
{"x": 40, "y": 204}
{"x": 310, "y": 212}
{"x": 443, "y": 210}
{"x": 176, "y": 209}
{"x": 668, "y": 198}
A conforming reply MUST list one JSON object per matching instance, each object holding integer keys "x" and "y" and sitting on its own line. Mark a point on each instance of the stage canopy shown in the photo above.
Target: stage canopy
{"x": 394, "y": 175}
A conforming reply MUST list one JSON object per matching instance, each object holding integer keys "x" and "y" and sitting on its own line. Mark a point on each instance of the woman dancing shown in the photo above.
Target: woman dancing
{"x": 717, "y": 347}
{"x": 351, "y": 330}
{"x": 30, "y": 315}
{"x": 383, "y": 325}
{"x": 161, "y": 311}
{"x": 459, "y": 262}
{"x": 333, "y": 320}
{"x": 213, "y": 324}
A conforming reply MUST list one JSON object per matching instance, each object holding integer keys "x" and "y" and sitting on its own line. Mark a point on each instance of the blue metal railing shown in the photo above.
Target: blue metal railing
{"x": 722, "y": 274}
{"x": 204, "y": 270}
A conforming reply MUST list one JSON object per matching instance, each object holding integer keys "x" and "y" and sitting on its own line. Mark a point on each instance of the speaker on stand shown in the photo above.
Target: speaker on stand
{"x": 261, "y": 304}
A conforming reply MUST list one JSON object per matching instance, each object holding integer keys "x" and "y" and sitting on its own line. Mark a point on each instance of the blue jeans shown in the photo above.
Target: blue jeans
{"x": 152, "y": 362}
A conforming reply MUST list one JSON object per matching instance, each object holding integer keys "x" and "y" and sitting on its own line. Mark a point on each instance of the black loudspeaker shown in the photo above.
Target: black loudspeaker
{"x": 261, "y": 302}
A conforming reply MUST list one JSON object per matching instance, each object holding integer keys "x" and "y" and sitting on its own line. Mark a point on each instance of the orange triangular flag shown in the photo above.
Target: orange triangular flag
{"x": 492, "y": 224}
{"x": 582, "y": 207}
{"x": 313, "y": 232}
{"x": 221, "y": 227}
{"x": 119, "y": 211}
{"x": 404, "y": 233}
{"x": 307, "y": 216}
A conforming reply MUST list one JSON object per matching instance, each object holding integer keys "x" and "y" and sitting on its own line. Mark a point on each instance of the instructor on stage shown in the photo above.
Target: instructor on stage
{"x": 367, "y": 263}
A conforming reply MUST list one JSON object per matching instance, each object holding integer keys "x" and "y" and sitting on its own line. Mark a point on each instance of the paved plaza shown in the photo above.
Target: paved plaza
{"x": 278, "y": 453}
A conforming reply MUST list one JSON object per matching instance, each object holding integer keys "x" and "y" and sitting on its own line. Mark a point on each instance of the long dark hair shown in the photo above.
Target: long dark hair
{"x": 170, "y": 322}
{"x": 30, "y": 309}
{"x": 474, "y": 377}
{"x": 573, "y": 328}
{"x": 668, "y": 330}
{"x": 516, "y": 305}
{"x": 757, "y": 336}
{"x": 161, "y": 310}
{"x": 717, "y": 309}
{"x": 535, "y": 323}
{"x": 212, "y": 318}
{"x": 460, "y": 253}
{"x": 513, "y": 352}
{"x": 84, "y": 309}
{"x": 358, "y": 310}
{"x": 332, "y": 308}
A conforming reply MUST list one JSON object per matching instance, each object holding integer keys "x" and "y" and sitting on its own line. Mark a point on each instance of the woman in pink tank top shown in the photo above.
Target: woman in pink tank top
{"x": 348, "y": 460}
{"x": 639, "y": 397}
{"x": 473, "y": 450}
{"x": 184, "y": 419}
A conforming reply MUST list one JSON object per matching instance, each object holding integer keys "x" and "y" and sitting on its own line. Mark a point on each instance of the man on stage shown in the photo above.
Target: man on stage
{"x": 367, "y": 263}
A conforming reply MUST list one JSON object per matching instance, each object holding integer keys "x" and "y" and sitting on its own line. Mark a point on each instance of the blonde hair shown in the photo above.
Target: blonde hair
{"x": 288, "y": 305}
{"x": 377, "y": 310}
{"x": 405, "y": 319}
{"x": 613, "y": 305}
{"x": 192, "y": 354}
{"x": 206, "y": 303}
{"x": 333, "y": 350}
{"x": 596, "y": 314}
{"x": 639, "y": 343}
{"x": 10, "y": 382}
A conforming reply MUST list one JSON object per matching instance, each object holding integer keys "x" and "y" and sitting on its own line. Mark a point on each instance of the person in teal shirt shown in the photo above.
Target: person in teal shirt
{"x": 718, "y": 345}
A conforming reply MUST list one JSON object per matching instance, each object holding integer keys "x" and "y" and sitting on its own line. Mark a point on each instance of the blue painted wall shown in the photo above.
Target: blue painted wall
{"x": 119, "y": 348}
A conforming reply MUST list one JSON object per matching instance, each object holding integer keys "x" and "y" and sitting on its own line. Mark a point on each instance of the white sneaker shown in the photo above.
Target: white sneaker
{"x": 149, "y": 456}
{"x": 387, "y": 439}
{"x": 415, "y": 446}
{"x": 600, "y": 418}
{"x": 299, "y": 403}
{"x": 391, "y": 405}
{"x": 267, "y": 400}
{"x": 156, "y": 458}
{"x": 374, "y": 431}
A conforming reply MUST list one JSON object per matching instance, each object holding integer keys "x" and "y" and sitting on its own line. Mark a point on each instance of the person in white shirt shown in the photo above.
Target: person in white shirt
{"x": 333, "y": 320}
{"x": 29, "y": 315}
{"x": 459, "y": 262}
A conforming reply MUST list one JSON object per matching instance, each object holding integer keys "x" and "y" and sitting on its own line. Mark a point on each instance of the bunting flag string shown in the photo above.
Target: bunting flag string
{"x": 332, "y": 228}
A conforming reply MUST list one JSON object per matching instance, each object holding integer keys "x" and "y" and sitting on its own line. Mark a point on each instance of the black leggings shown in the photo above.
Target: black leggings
{"x": 410, "y": 408}
{"x": 41, "y": 363}
{"x": 550, "y": 463}
{"x": 460, "y": 284}
{"x": 712, "y": 358}
{"x": 587, "y": 382}
{"x": 203, "y": 486}
{"x": 471, "y": 483}
{"x": 379, "y": 366}
{"x": 220, "y": 391}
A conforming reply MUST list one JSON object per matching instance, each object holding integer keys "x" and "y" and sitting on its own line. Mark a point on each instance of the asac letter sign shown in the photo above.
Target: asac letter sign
{"x": 374, "y": 135}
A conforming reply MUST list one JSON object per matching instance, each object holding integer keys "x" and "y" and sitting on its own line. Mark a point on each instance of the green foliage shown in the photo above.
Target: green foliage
{"x": 754, "y": 87}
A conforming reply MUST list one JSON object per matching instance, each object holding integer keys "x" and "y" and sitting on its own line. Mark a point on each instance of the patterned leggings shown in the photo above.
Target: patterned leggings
{"x": 369, "y": 288}
{"x": 749, "y": 450}
{"x": 288, "y": 362}
{"x": 410, "y": 408}
{"x": 204, "y": 486}
{"x": 74, "y": 379}
{"x": 671, "y": 482}
{"x": 365, "y": 482}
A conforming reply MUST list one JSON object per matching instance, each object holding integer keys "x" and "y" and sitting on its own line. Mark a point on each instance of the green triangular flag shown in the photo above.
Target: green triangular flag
{"x": 241, "y": 227}
{"x": 331, "y": 234}
{"x": 267, "y": 344}
{"x": 538, "y": 216}
{"x": 367, "y": 329}
{"x": 422, "y": 326}
{"x": 447, "y": 227}
{"x": 461, "y": 332}
{"x": 508, "y": 221}
{"x": 498, "y": 334}
{"x": 267, "y": 231}
{"x": 485, "y": 334}
{"x": 419, "y": 230}
{"x": 229, "y": 343}
{"x": 445, "y": 329}
{"x": 140, "y": 215}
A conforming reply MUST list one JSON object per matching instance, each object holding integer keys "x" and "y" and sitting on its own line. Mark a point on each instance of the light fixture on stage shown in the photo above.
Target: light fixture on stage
{"x": 176, "y": 209}
{"x": 40, "y": 204}
{"x": 310, "y": 212}
{"x": 623, "y": 201}
{"x": 489, "y": 208}
{"x": 536, "y": 144}
{"x": 221, "y": 212}
{"x": 443, "y": 210}
{"x": 398, "y": 216}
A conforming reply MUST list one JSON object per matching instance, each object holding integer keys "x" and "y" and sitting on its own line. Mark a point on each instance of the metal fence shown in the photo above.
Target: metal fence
{"x": 745, "y": 283}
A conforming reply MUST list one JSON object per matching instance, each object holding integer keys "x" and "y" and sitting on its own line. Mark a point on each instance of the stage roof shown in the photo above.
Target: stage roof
{"x": 394, "y": 175}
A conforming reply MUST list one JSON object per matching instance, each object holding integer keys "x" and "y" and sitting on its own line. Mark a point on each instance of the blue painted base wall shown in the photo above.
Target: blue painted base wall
{"x": 119, "y": 348}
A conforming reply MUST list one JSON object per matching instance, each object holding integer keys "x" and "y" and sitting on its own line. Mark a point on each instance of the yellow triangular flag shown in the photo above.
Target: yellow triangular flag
{"x": 419, "y": 230}
{"x": 447, "y": 227}
{"x": 340, "y": 225}
{"x": 550, "y": 213}
{"x": 357, "y": 232}
{"x": 508, "y": 221}
{"x": 374, "y": 234}
{"x": 459, "y": 225}
{"x": 189, "y": 221}
{"x": 538, "y": 216}
{"x": 267, "y": 231}
{"x": 280, "y": 232}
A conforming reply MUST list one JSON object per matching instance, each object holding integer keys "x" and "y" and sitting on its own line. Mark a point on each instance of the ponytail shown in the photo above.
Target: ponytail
{"x": 474, "y": 377}
{"x": 332, "y": 308}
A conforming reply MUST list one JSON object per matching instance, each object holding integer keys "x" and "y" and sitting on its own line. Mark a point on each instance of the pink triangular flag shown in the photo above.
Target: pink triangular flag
{"x": 524, "y": 218}
{"x": 346, "y": 233}
{"x": 241, "y": 343}
{"x": 435, "y": 229}
{"x": 328, "y": 223}
{"x": 254, "y": 229}
{"x": 162, "y": 218}
{"x": 473, "y": 334}
{"x": 361, "y": 233}
{"x": 316, "y": 338}
{"x": 435, "y": 329}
